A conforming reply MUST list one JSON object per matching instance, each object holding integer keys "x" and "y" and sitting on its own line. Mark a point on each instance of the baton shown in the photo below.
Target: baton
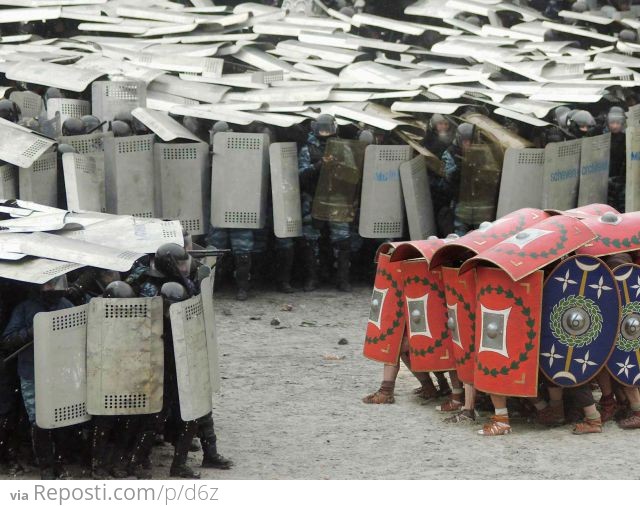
{"x": 202, "y": 253}
{"x": 16, "y": 353}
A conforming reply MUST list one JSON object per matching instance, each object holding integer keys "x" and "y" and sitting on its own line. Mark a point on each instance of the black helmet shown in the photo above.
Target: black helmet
{"x": 173, "y": 292}
{"x": 120, "y": 128}
{"x": 616, "y": 113}
{"x": 581, "y": 123}
{"x": 464, "y": 132}
{"x": 628, "y": 35}
{"x": 173, "y": 261}
{"x": 325, "y": 126}
{"x": 580, "y": 6}
{"x": 90, "y": 122}
{"x": 220, "y": 126}
{"x": 138, "y": 127}
{"x": 119, "y": 290}
{"x": 9, "y": 110}
{"x": 560, "y": 115}
{"x": 73, "y": 126}
{"x": 52, "y": 93}
{"x": 367, "y": 136}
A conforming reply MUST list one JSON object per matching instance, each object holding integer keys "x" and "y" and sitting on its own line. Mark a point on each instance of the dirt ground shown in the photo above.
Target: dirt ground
{"x": 290, "y": 408}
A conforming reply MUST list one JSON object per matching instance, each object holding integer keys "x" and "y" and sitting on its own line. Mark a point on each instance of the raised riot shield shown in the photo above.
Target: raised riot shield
{"x": 632, "y": 191}
{"x": 19, "y": 146}
{"x": 479, "y": 183}
{"x": 580, "y": 318}
{"x": 89, "y": 144}
{"x": 594, "y": 169}
{"x": 129, "y": 175}
{"x": 60, "y": 361}
{"x": 285, "y": 189}
{"x": 192, "y": 360}
{"x": 84, "y": 183}
{"x": 125, "y": 356}
{"x": 417, "y": 198}
{"x": 624, "y": 363}
{"x": 382, "y": 205}
{"x": 8, "y": 182}
{"x": 67, "y": 108}
{"x": 183, "y": 184}
{"x": 239, "y": 180}
{"x": 561, "y": 174}
{"x": 114, "y": 98}
{"x": 338, "y": 190}
{"x": 206, "y": 289}
{"x": 521, "y": 183}
{"x": 30, "y": 103}
{"x": 633, "y": 116}
{"x": 39, "y": 182}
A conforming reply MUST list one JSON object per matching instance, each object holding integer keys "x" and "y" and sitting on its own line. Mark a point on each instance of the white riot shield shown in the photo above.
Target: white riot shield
{"x": 8, "y": 182}
{"x": 89, "y": 144}
{"x": 417, "y": 198}
{"x": 20, "y": 146}
{"x": 594, "y": 170}
{"x": 60, "y": 361}
{"x": 129, "y": 175}
{"x": 192, "y": 360}
{"x": 30, "y": 103}
{"x": 522, "y": 180}
{"x": 67, "y": 108}
{"x": 633, "y": 117}
{"x": 382, "y": 204}
{"x": 206, "y": 289}
{"x": 285, "y": 189}
{"x": 183, "y": 184}
{"x": 84, "y": 183}
{"x": 561, "y": 175}
{"x": 125, "y": 356}
{"x": 632, "y": 191}
{"x": 112, "y": 98}
{"x": 239, "y": 180}
{"x": 39, "y": 182}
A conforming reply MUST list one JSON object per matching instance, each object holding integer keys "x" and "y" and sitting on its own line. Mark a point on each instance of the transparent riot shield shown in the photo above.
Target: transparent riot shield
{"x": 479, "y": 185}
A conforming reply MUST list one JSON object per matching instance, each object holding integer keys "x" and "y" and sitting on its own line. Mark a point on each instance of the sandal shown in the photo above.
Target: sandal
{"x": 607, "y": 407}
{"x": 551, "y": 416}
{"x": 379, "y": 397}
{"x": 588, "y": 427}
{"x": 499, "y": 426}
{"x": 632, "y": 422}
{"x": 465, "y": 417}
{"x": 450, "y": 406}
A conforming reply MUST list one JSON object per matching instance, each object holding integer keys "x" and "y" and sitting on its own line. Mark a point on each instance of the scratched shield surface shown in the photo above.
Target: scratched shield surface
{"x": 624, "y": 363}
{"x": 580, "y": 315}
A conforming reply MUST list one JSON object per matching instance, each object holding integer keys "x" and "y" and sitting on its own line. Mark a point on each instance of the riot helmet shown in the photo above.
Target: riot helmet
{"x": 442, "y": 127}
{"x": 9, "y": 110}
{"x": 73, "y": 126}
{"x": 220, "y": 126}
{"x": 52, "y": 93}
{"x": 119, "y": 290}
{"x": 628, "y": 35}
{"x": 579, "y": 6}
{"x": 90, "y": 122}
{"x": 173, "y": 292}
{"x": 616, "y": 119}
{"x": 581, "y": 124}
{"x": 560, "y": 115}
{"x": 325, "y": 126}
{"x": 120, "y": 128}
{"x": 53, "y": 290}
{"x": 367, "y": 136}
{"x": 173, "y": 261}
{"x": 138, "y": 127}
{"x": 464, "y": 134}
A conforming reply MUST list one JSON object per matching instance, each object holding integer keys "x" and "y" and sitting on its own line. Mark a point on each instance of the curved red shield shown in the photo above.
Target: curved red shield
{"x": 616, "y": 233}
{"x": 584, "y": 212}
{"x": 508, "y": 332}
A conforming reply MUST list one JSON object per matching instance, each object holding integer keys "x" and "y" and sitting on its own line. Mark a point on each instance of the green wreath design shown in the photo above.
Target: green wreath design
{"x": 551, "y": 252}
{"x": 445, "y": 333}
{"x": 472, "y": 318}
{"x": 399, "y": 313}
{"x": 628, "y": 242}
{"x": 624, "y": 344}
{"x": 531, "y": 333}
{"x": 519, "y": 227}
{"x": 586, "y": 305}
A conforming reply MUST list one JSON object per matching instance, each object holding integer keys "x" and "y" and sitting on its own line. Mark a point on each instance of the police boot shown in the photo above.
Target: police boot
{"x": 99, "y": 438}
{"x": 140, "y": 455}
{"x": 343, "y": 264}
{"x": 210, "y": 456}
{"x": 243, "y": 274}
{"x": 43, "y": 450}
{"x": 126, "y": 429}
{"x": 285, "y": 264}
{"x": 179, "y": 467}
{"x": 8, "y": 446}
{"x": 310, "y": 266}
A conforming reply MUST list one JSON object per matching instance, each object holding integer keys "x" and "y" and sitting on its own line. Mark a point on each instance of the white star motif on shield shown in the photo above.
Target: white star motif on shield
{"x": 552, "y": 354}
{"x": 626, "y": 367}
{"x": 584, "y": 361}
{"x": 601, "y": 286}
{"x": 565, "y": 281}
{"x": 636, "y": 287}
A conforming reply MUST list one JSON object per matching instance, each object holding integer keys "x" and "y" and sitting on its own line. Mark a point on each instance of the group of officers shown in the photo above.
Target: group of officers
{"x": 116, "y": 446}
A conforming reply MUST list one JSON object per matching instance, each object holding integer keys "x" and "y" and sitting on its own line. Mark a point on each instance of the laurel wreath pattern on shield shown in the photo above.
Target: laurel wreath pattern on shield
{"x": 421, "y": 352}
{"x": 519, "y": 227}
{"x": 627, "y": 242}
{"x": 551, "y": 252}
{"x": 587, "y": 305}
{"x": 531, "y": 333}
{"x": 622, "y": 343}
{"x": 472, "y": 317}
{"x": 399, "y": 313}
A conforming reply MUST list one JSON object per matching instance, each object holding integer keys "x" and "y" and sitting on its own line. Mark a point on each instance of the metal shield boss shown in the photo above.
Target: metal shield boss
{"x": 382, "y": 205}
{"x": 508, "y": 332}
{"x": 285, "y": 189}
{"x": 624, "y": 363}
{"x": 386, "y": 325}
{"x": 427, "y": 316}
{"x": 594, "y": 169}
{"x": 479, "y": 185}
{"x": 60, "y": 343}
{"x": 125, "y": 356}
{"x": 580, "y": 316}
{"x": 191, "y": 357}
{"x": 460, "y": 293}
{"x": 337, "y": 193}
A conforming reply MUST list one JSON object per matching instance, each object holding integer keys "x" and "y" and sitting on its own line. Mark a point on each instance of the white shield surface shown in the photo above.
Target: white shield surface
{"x": 39, "y": 182}
{"x": 67, "y": 108}
{"x": 36, "y": 270}
{"x": 112, "y": 98}
{"x": 561, "y": 175}
{"x": 84, "y": 183}
{"x": 285, "y": 189}
{"x": 417, "y": 198}
{"x": 239, "y": 180}
{"x": 522, "y": 180}
{"x": 633, "y": 116}
{"x": 60, "y": 345}
{"x": 8, "y": 182}
{"x": 183, "y": 184}
{"x": 19, "y": 146}
{"x": 632, "y": 193}
{"x": 594, "y": 169}
{"x": 129, "y": 175}
{"x": 382, "y": 204}
{"x": 125, "y": 356}
{"x": 192, "y": 360}
{"x": 30, "y": 103}
{"x": 208, "y": 305}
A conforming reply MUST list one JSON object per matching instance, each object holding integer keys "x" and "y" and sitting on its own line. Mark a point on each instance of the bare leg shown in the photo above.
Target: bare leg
{"x": 384, "y": 395}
